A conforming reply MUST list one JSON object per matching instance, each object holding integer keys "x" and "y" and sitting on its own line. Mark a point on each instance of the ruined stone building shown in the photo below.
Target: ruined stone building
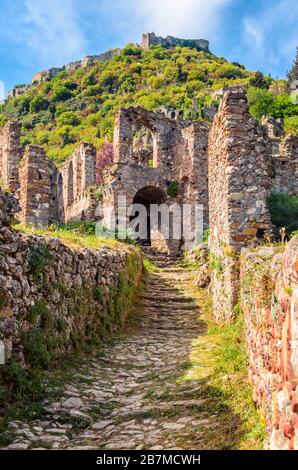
{"x": 230, "y": 170}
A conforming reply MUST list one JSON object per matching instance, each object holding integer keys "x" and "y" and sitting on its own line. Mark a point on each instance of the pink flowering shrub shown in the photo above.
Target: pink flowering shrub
{"x": 104, "y": 157}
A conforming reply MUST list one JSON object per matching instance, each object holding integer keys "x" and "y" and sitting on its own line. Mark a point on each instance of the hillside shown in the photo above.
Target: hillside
{"x": 81, "y": 105}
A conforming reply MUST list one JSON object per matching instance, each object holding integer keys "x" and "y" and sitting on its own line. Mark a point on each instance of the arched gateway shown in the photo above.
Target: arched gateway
{"x": 176, "y": 175}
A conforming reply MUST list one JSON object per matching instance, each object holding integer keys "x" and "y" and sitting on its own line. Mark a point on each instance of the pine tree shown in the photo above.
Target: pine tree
{"x": 293, "y": 73}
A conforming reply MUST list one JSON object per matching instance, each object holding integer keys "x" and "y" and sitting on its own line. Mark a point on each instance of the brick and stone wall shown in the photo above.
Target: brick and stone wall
{"x": 179, "y": 154}
{"x": 54, "y": 297}
{"x": 269, "y": 301}
{"x": 150, "y": 39}
{"x": 10, "y": 155}
{"x": 75, "y": 179}
{"x": 37, "y": 191}
{"x": 239, "y": 187}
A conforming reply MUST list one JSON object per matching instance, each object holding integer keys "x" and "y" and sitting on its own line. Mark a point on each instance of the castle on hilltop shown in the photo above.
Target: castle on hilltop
{"x": 148, "y": 39}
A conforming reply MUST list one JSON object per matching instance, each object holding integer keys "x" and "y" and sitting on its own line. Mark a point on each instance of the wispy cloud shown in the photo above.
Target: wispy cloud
{"x": 188, "y": 18}
{"x": 176, "y": 17}
{"x": 51, "y": 29}
{"x": 264, "y": 33}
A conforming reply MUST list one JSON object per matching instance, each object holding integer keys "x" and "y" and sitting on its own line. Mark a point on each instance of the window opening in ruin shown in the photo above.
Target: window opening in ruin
{"x": 143, "y": 146}
{"x": 70, "y": 186}
{"x": 147, "y": 196}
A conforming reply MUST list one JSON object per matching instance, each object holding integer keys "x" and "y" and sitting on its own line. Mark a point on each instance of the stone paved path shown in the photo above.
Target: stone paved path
{"x": 136, "y": 395}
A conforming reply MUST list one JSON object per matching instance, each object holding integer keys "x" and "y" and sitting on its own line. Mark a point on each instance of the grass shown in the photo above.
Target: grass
{"x": 219, "y": 360}
{"x": 74, "y": 239}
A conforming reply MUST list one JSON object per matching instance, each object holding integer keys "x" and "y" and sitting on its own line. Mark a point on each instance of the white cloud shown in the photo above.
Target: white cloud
{"x": 51, "y": 29}
{"x": 264, "y": 34}
{"x": 187, "y": 18}
{"x": 254, "y": 32}
{"x": 176, "y": 17}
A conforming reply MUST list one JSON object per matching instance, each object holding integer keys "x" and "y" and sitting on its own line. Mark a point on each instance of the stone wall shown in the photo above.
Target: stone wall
{"x": 10, "y": 155}
{"x": 75, "y": 179}
{"x": 150, "y": 39}
{"x": 179, "y": 155}
{"x": 54, "y": 298}
{"x": 269, "y": 301}
{"x": 239, "y": 187}
{"x": 48, "y": 74}
{"x": 37, "y": 190}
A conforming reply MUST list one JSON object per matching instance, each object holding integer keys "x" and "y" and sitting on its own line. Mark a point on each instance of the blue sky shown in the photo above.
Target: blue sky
{"x": 37, "y": 34}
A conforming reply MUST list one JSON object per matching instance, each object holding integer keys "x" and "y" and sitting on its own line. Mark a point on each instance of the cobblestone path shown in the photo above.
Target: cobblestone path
{"x": 137, "y": 395}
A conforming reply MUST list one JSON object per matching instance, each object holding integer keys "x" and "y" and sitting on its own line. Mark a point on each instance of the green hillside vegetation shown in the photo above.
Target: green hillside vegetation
{"x": 81, "y": 106}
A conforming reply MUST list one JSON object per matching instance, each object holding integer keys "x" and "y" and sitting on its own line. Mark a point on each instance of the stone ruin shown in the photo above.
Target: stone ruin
{"x": 230, "y": 170}
{"x": 150, "y": 39}
{"x": 47, "y": 194}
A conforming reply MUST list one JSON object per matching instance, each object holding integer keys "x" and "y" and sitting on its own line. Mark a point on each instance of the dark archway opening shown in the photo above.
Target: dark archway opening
{"x": 147, "y": 196}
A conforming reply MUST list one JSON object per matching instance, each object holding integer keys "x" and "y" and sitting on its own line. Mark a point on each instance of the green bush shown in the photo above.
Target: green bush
{"x": 173, "y": 189}
{"x": 61, "y": 93}
{"x": 38, "y": 104}
{"x": 284, "y": 211}
{"x": 38, "y": 258}
{"x": 68, "y": 118}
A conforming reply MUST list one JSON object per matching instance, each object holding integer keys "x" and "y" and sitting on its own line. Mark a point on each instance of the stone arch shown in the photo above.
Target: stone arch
{"x": 147, "y": 196}
{"x": 70, "y": 184}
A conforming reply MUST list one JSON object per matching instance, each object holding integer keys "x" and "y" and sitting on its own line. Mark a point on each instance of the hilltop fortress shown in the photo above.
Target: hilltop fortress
{"x": 230, "y": 168}
{"x": 148, "y": 39}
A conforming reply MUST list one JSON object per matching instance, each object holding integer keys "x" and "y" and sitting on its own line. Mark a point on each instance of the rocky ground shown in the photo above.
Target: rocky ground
{"x": 138, "y": 394}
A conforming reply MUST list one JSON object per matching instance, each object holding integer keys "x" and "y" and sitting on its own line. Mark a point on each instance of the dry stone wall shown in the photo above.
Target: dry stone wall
{"x": 10, "y": 155}
{"x": 54, "y": 298}
{"x": 269, "y": 301}
{"x": 239, "y": 187}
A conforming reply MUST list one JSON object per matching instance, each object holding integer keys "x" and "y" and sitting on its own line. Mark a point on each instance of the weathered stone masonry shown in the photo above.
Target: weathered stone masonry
{"x": 48, "y": 194}
{"x": 246, "y": 163}
{"x": 57, "y": 296}
{"x": 239, "y": 186}
{"x": 10, "y": 155}
{"x": 177, "y": 152}
{"x": 269, "y": 301}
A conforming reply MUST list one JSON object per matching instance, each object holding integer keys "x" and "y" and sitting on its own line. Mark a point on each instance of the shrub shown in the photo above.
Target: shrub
{"x": 284, "y": 211}
{"x": 261, "y": 102}
{"x": 68, "y": 118}
{"x": 38, "y": 258}
{"x": 259, "y": 81}
{"x": 61, "y": 93}
{"x": 38, "y": 104}
{"x": 173, "y": 189}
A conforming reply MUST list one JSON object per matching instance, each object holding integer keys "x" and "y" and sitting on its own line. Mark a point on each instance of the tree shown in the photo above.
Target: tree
{"x": 259, "y": 81}
{"x": 293, "y": 73}
{"x": 260, "y": 101}
{"x": 38, "y": 104}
